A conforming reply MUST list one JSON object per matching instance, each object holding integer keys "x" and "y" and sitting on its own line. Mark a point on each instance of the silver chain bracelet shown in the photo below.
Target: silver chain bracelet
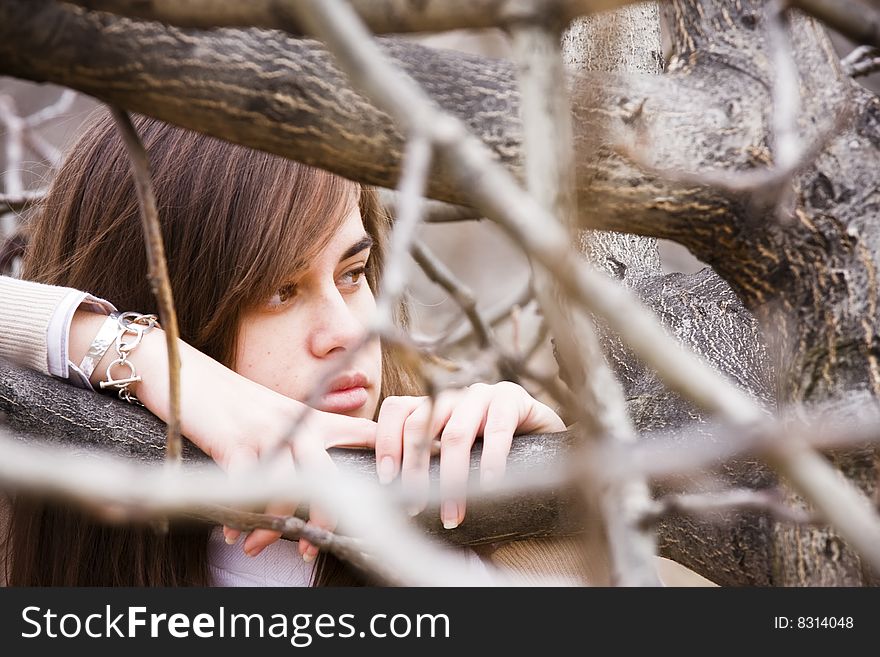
{"x": 138, "y": 325}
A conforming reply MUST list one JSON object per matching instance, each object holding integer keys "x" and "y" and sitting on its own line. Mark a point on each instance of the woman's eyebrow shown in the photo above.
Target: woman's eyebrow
{"x": 364, "y": 243}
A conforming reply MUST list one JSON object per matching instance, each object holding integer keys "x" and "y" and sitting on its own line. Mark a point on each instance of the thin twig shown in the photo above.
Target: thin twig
{"x": 493, "y": 317}
{"x": 393, "y": 550}
{"x": 42, "y": 147}
{"x": 439, "y": 273}
{"x": 539, "y": 340}
{"x": 864, "y": 60}
{"x": 433, "y": 211}
{"x": 18, "y": 202}
{"x": 15, "y": 127}
{"x": 416, "y": 167}
{"x": 160, "y": 282}
{"x": 511, "y": 366}
{"x": 786, "y": 90}
{"x": 739, "y": 499}
{"x": 291, "y": 528}
{"x": 667, "y": 457}
{"x": 547, "y": 139}
{"x": 53, "y": 111}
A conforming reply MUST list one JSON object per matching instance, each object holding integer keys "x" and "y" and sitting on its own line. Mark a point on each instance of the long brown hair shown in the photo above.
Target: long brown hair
{"x": 237, "y": 223}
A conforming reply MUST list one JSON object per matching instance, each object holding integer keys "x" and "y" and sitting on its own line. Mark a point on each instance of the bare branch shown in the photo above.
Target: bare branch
{"x": 390, "y": 548}
{"x": 440, "y": 274}
{"x": 417, "y": 166}
{"x": 834, "y": 497}
{"x": 42, "y": 147}
{"x": 862, "y": 61}
{"x": 15, "y": 128}
{"x": 741, "y": 499}
{"x": 53, "y": 111}
{"x": 18, "y": 202}
{"x": 382, "y": 16}
{"x": 547, "y": 143}
{"x": 291, "y": 528}
{"x": 667, "y": 457}
{"x": 493, "y": 317}
{"x": 434, "y": 212}
{"x": 158, "y": 271}
{"x": 538, "y": 341}
{"x": 786, "y": 90}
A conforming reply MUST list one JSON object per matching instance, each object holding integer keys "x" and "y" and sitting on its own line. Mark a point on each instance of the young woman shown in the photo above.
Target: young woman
{"x": 274, "y": 267}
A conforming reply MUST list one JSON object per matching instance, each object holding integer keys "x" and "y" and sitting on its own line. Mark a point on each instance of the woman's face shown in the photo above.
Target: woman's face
{"x": 315, "y": 321}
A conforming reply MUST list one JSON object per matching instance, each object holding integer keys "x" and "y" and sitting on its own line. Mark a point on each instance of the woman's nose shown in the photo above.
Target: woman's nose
{"x": 336, "y": 327}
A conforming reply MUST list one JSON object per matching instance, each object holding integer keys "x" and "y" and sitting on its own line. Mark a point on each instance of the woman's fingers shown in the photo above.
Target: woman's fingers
{"x": 419, "y": 430}
{"x": 407, "y": 425}
{"x": 343, "y": 431}
{"x": 313, "y": 458}
{"x": 283, "y": 469}
{"x": 389, "y": 435}
{"x": 241, "y": 459}
{"x": 456, "y": 441}
{"x": 501, "y": 423}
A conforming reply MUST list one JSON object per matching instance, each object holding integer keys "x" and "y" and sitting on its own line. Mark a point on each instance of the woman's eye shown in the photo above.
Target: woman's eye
{"x": 282, "y": 296}
{"x": 354, "y": 277}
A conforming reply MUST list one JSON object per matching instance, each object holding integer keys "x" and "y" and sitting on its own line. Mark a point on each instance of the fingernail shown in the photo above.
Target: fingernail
{"x": 253, "y": 552}
{"x": 386, "y": 470}
{"x": 310, "y": 554}
{"x": 449, "y": 515}
{"x": 230, "y": 538}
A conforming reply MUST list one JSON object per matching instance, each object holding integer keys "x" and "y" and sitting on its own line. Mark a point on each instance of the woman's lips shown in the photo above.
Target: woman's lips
{"x": 344, "y": 401}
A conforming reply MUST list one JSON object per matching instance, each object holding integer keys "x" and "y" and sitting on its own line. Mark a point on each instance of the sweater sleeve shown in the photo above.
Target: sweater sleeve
{"x": 35, "y": 324}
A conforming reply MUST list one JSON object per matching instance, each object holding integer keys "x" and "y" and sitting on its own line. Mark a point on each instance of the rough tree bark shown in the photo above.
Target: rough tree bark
{"x": 809, "y": 277}
{"x": 628, "y": 41}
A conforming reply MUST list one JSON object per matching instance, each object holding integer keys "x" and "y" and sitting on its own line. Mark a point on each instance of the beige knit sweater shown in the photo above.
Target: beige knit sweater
{"x": 26, "y": 309}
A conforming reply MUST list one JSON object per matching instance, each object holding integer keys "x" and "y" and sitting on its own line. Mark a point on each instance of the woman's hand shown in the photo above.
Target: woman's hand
{"x": 233, "y": 420}
{"x": 407, "y": 426}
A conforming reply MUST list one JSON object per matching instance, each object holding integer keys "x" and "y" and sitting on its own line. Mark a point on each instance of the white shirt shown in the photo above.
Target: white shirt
{"x": 279, "y": 564}
{"x": 58, "y": 335}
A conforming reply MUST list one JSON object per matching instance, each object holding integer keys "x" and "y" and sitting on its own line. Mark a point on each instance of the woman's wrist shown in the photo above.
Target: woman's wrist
{"x": 83, "y": 329}
{"x": 149, "y": 359}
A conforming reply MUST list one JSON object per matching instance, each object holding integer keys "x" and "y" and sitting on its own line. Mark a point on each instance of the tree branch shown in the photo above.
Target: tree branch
{"x": 294, "y": 99}
{"x": 612, "y": 505}
{"x": 160, "y": 282}
{"x": 18, "y": 202}
{"x": 439, "y": 273}
{"x": 435, "y": 212}
{"x": 862, "y": 61}
{"x": 381, "y": 16}
{"x": 86, "y": 421}
{"x": 712, "y": 504}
